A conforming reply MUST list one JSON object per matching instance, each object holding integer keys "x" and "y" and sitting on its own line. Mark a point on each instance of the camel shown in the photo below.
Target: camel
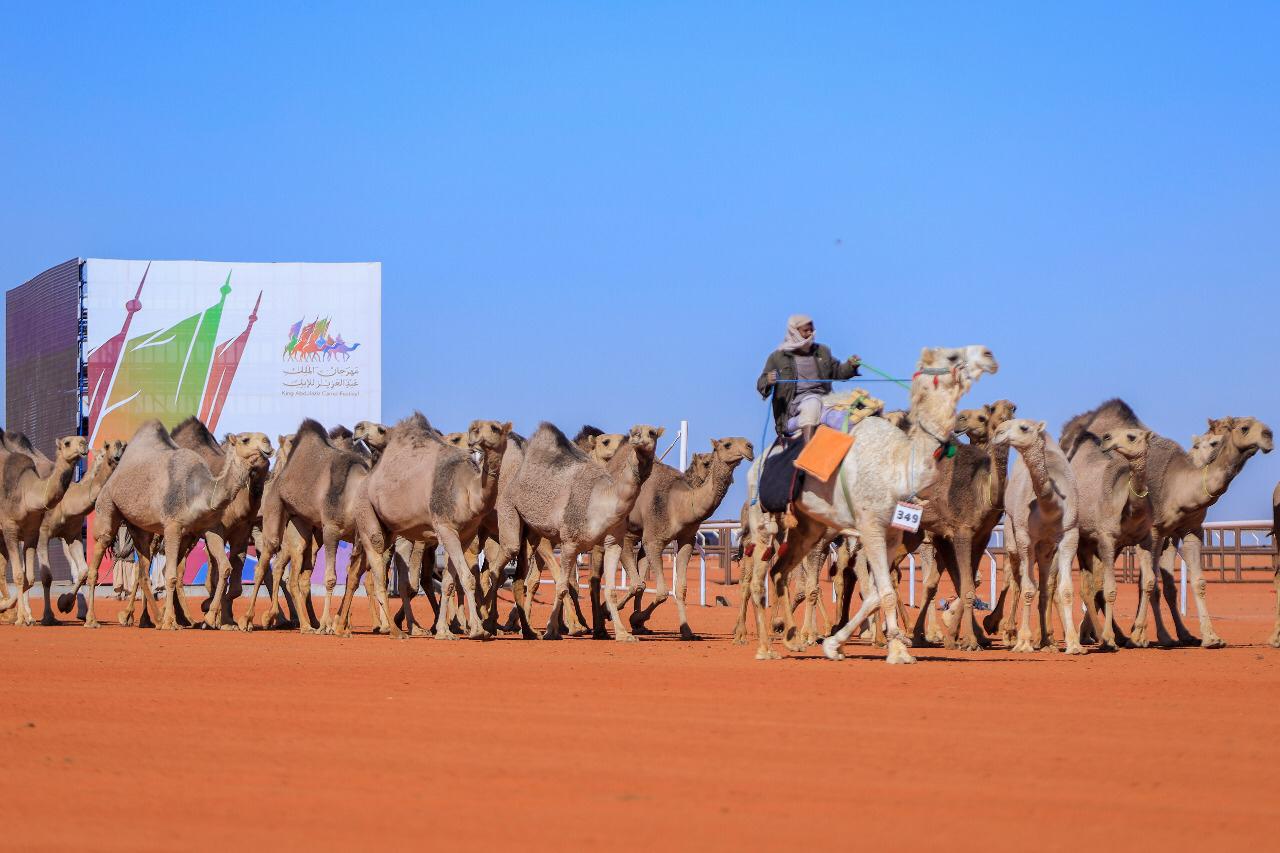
{"x": 559, "y": 493}
{"x": 1114, "y": 513}
{"x": 26, "y": 498}
{"x": 1275, "y": 561}
{"x": 883, "y": 467}
{"x": 227, "y": 539}
{"x": 670, "y": 509}
{"x": 1181, "y": 495}
{"x": 964, "y": 504}
{"x": 324, "y": 488}
{"x": 761, "y": 538}
{"x": 424, "y": 487}
{"x": 160, "y": 489}
{"x": 1204, "y": 448}
{"x": 1043, "y": 526}
{"x": 65, "y": 523}
{"x": 344, "y": 439}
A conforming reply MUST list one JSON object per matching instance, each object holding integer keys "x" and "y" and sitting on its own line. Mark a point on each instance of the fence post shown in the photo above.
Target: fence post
{"x": 684, "y": 445}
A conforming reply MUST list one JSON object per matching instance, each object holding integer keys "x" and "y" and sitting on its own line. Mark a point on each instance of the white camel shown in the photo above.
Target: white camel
{"x": 883, "y": 466}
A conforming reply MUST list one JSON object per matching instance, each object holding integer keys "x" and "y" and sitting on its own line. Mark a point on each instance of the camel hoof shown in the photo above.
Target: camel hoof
{"x": 168, "y": 626}
{"x": 1274, "y": 642}
{"x": 741, "y": 640}
{"x": 551, "y": 635}
{"x": 970, "y": 645}
{"x": 1105, "y": 646}
{"x": 624, "y": 637}
{"x": 483, "y": 636}
{"x": 1023, "y": 646}
{"x": 1075, "y": 649}
{"x": 66, "y": 602}
{"x": 687, "y": 635}
{"x": 92, "y": 625}
{"x": 49, "y": 619}
{"x": 229, "y": 626}
{"x": 449, "y": 635}
{"x": 125, "y": 618}
{"x": 831, "y": 648}
{"x": 898, "y": 654}
{"x": 1213, "y": 641}
{"x": 768, "y": 654}
{"x": 246, "y": 624}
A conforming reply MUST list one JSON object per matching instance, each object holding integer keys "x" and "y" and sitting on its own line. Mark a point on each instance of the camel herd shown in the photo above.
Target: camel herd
{"x": 397, "y": 493}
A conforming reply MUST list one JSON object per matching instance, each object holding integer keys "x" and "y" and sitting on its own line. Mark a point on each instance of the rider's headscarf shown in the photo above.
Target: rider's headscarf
{"x": 794, "y": 340}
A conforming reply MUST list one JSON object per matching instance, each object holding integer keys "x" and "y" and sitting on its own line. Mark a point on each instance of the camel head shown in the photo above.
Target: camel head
{"x": 999, "y": 412}
{"x": 731, "y": 451}
{"x": 1205, "y": 447}
{"x": 253, "y": 448}
{"x": 968, "y": 362}
{"x": 455, "y": 439}
{"x": 1130, "y": 442}
{"x": 112, "y": 451}
{"x": 1019, "y": 433}
{"x": 605, "y": 446}
{"x": 72, "y": 448}
{"x": 1248, "y": 435}
{"x": 374, "y": 435}
{"x": 490, "y": 435}
{"x": 974, "y": 423}
{"x": 645, "y": 438}
{"x": 699, "y": 468}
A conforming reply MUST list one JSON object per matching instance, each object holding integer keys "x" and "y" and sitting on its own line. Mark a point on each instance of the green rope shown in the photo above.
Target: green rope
{"x": 885, "y": 375}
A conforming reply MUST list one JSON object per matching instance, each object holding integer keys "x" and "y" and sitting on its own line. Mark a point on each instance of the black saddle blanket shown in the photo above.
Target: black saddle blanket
{"x": 781, "y": 481}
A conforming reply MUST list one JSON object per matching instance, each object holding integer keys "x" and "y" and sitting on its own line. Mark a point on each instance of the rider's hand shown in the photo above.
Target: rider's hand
{"x": 857, "y": 364}
{"x": 773, "y": 377}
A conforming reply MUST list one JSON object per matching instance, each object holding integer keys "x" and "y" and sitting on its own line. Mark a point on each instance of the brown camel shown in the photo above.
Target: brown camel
{"x": 65, "y": 523}
{"x": 559, "y": 493}
{"x": 670, "y": 509}
{"x": 325, "y": 488}
{"x": 160, "y": 489}
{"x": 424, "y": 487}
{"x": 26, "y": 498}
{"x": 1181, "y": 495}
{"x": 227, "y": 539}
{"x": 1114, "y": 513}
{"x": 964, "y": 504}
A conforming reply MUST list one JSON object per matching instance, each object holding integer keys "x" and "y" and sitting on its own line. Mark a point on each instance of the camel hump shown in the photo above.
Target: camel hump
{"x": 1087, "y": 425}
{"x": 417, "y": 430}
{"x": 586, "y": 434}
{"x": 152, "y": 433}
{"x": 313, "y": 428}
{"x": 192, "y": 433}
{"x": 549, "y": 440}
{"x": 15, "y": 465}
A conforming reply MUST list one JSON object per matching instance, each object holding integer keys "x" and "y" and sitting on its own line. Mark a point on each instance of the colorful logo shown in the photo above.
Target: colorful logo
{"x": 168, "y": 373}
{"x": 312, "y": 342}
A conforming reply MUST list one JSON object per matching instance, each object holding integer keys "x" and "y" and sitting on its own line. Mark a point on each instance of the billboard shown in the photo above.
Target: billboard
{"x": 245, "y": 346}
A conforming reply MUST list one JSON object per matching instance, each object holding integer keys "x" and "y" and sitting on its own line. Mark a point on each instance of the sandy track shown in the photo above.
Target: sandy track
{"x": 140, "y": 739}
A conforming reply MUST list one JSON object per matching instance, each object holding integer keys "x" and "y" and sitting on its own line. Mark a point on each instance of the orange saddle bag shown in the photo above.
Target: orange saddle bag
{"x": 823, "y": 454}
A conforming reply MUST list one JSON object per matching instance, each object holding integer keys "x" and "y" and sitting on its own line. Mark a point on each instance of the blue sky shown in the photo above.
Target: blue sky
{"x": 605, "y": 212}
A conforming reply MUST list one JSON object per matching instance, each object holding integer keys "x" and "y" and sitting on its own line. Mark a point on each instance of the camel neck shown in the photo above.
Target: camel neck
{"x": 1037, "y": 464}
{"x": 81, "y": 495}
{"x": 233, "y": 477}
{"x": 53, "y": 487}
{"x": 708, "y": 494}
{"x": 1222, "y": 469}
{"x": 1138, "y": 478}
{"x": 626, "y": 470}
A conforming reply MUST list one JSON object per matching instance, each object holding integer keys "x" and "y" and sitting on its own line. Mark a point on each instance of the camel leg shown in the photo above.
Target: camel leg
{"x": 1071, "y": 634}
{"x": 46, "y": 579}
{"x": 378, "y": 555}
{"x": 355, "y": 574}
{"x": 380, "y": 619}
{"x": 329, "y": 536}
{"x": 681, "y": 579}
{"x": 409, "y": 585}
{"x": 1209, "y": 638}
{"x": 635, "y": 589}
{"x": 572, "y": 615}
{"x": 17, "y": 554}
{"x": 962, "y": 550}
{"x": 801, "y": 541}
{"x": 73, "y": 550}
{"x": 926, "y": 629}
{"x": 653, "y": 559}
{"x": 217, "y": 549}
{"x": 745, "y": 568}
{"x": 465, "y": 575}
{"x": 1020, "y": 559}
{"x": 172, "y": 579}
{"x": 811, "y": 568}
{"x": 1104, "y": 560}
{"x": 1169, "y": 589}
{"x": 568, "y": 557}
{"x": 1091, "y": 593}
{"x": 1046, "y": 585}
{"x": 881, "y": 595}
{"x": 259, "y": 573}
{"x": 612, "y": 556}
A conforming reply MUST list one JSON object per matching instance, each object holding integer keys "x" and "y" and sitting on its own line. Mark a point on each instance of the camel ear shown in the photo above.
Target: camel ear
{"x": 506, "y": 428}
{"x": 1041, "y": 426}
{"x": 926, "y": 355}
{"x": 660, "y": 432}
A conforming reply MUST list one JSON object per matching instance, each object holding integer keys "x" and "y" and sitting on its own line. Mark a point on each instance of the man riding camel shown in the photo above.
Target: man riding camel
{"x": 798, "y": 373}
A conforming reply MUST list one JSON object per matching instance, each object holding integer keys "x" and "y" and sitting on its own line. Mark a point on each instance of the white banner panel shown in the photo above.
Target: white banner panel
{"x": 244, "y": 346}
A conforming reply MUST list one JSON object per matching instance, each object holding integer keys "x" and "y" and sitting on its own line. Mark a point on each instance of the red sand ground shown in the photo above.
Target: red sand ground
{"x": 129, "y": 738}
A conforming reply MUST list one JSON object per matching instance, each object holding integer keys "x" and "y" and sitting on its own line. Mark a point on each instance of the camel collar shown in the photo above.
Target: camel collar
{"x": 946, "y": 446}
